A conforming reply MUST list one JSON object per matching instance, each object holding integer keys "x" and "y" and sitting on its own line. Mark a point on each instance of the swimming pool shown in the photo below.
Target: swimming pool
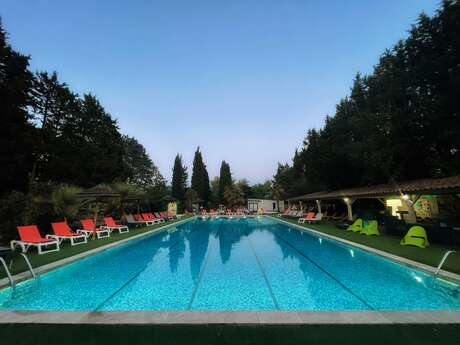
{"x": 233, "y": 264}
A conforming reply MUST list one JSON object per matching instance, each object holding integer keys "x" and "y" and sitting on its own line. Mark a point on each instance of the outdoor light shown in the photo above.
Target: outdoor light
{"x": 346, "y": 199}
{"x": 405, "y": 197}
{"x": 320, "y": 240}
{"x": 417, "y": 278}
{"x": 352, "y": 253}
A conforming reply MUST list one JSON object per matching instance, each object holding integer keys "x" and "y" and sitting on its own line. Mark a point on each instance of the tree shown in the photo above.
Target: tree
{"x": 191, "y": 197}
{"x": 225, "y": 179}
{"x": 200, "y": 177}
{"x": 65, "y": 201}
{"x": 215, "y": 199}
{"x": 262, "y": 190}
{"x": 245, "y": 188}
{"x": 233, "y": 196}
{"x": 16, "y": 133}
{"x": 278, "y": 193}
{"x": 400, "y": 122}
{"x": 141, "y": 171}
{"x": 179, "y": 179}
{"x": 125, "y": 190}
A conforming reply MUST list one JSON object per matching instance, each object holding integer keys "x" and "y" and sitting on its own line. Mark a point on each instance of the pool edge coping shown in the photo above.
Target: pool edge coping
{"x": 232, "y": 317}
{"x": 399, "y": 259}
{"x": 25, "y": 275}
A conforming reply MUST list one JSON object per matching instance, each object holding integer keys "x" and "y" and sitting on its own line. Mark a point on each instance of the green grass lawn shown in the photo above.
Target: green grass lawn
{"x": 67, "y": 250}
{"x": 390, "y": 244}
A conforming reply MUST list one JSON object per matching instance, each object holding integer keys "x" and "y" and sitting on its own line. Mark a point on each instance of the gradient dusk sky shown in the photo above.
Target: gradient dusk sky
{"x": 243, "y": 79}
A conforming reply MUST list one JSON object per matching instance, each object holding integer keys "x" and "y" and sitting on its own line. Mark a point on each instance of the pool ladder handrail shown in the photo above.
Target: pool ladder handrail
{"x": 7, "y": 269}
{"x": 444, "y": 258}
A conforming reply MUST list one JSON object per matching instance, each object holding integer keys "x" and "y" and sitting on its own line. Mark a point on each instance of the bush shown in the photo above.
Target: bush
{"x": 14, "y": 210}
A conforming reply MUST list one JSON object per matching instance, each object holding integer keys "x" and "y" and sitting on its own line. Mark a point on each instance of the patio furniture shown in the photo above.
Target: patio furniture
{"x": 90, "y": 228}
{"x": 30, "y": 237}
{"x": 62, "y": 232}
{"x": 111, "y": 225}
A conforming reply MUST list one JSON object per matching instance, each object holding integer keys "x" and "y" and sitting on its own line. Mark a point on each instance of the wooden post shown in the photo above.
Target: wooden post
{"x": 318, "y": 204}
{"x": 349, "y": 202}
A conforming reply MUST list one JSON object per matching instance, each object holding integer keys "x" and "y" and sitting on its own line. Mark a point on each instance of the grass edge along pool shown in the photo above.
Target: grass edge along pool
{"x": 238, "y": 264}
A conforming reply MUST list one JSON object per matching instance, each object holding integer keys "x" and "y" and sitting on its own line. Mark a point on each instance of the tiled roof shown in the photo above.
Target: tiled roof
{"x": 429, "y": 186}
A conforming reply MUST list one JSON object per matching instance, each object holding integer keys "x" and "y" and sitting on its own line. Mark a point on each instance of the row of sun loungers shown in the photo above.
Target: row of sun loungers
{"x": 30, "y": 236}
{"x": 302, "y": 215}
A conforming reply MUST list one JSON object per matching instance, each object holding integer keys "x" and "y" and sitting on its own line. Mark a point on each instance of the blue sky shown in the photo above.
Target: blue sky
{"x": 243, "y": 79}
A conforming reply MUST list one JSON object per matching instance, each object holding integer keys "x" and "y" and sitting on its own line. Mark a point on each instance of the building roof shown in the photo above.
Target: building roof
{"x": 423, "y": 186}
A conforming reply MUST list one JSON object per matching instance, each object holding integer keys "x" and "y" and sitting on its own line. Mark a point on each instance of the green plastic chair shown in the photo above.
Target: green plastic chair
{"x": 416, "y": 236}
{"x": 357, "y": 226}
{"x": 371, "y": 229}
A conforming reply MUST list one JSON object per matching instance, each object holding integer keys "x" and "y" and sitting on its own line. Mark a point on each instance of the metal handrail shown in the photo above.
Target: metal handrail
{"x": 444, "y": 258}
{"x": 26, "y": 259}
{"x": 8, "y": 274}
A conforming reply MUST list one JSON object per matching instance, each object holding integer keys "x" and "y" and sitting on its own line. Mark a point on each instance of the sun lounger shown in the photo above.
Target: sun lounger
{"x": 152, "y": 217}
{"x": 308, "y": 216}
{"x": 111, "y": 225}
{"x": 89, "y": 228}
{"x": 165, "y": 215}
{"x": 357, "y": 226}
{"x": 158, "y": 216}
{"x": 416, "y": 236}
{"x": 149, "y": 218}
{"x": 30, "y": 237}
{"x": 284, "y": 214}
{"x": 131, "y": 220}
{"x": 371, "y": 228}
{"x": 62, "y": 231}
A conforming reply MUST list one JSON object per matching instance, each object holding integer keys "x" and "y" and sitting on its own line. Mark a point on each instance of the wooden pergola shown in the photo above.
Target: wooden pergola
{"x": 409, "y": 192}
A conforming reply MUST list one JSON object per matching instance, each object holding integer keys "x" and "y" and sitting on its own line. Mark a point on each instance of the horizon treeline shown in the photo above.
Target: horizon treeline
{"x": 400, "y": 122}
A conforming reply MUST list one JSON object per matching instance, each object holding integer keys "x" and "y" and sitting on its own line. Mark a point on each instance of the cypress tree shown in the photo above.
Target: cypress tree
{"x": 179, "y": 179}
{"x": 225, "y": 179}
{"x": 200, "y": 177}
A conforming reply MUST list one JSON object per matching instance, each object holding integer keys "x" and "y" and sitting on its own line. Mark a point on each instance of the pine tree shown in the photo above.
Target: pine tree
{"x": 200, "y": 177}
{"x": 225, "y": 179}
{"x": 179, "y": 179}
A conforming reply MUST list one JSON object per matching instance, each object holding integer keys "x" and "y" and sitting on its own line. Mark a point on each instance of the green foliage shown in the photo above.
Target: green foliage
{"x": 225, "y": 179}
{"x": 12, "y": 213}
{"x": 141, "y": 171}
{"x": 200, "y": 178}
{"x": 179, "y": 179}
{"x": 262, "y": 190}
{"x": 16, "y": 133}
{"x": 233, "y": 196}
{"x": 191, "y": 197}
{"x": 65, "y": 201}
{"x": 245, "y": 188}
{"x": 399, "y": 123}
{"x": 215, "y": 199}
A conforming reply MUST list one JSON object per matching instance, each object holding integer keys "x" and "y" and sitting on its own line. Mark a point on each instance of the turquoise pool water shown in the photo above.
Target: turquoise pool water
{"x": 233, "y": 264}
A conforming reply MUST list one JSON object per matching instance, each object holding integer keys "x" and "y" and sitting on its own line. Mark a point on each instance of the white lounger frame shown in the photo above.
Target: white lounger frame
{"x": 101, "y": 233}
{"x": 121, "y": 228}
{"x": 72, "y": 239}
{"x": 40, "y": 245}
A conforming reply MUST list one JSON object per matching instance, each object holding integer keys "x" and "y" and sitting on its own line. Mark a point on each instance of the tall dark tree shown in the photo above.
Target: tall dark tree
{"x": 179, "y": 179}
{"x": 225, "y": 179}
{"x": 200, "y": 177}
{"x": 401, "y": 122}
{"x": 16, "y": 133}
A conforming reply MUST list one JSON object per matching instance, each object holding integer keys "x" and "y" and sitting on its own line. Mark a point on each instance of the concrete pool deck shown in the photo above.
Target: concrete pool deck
{"x": 232, "y": 317}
